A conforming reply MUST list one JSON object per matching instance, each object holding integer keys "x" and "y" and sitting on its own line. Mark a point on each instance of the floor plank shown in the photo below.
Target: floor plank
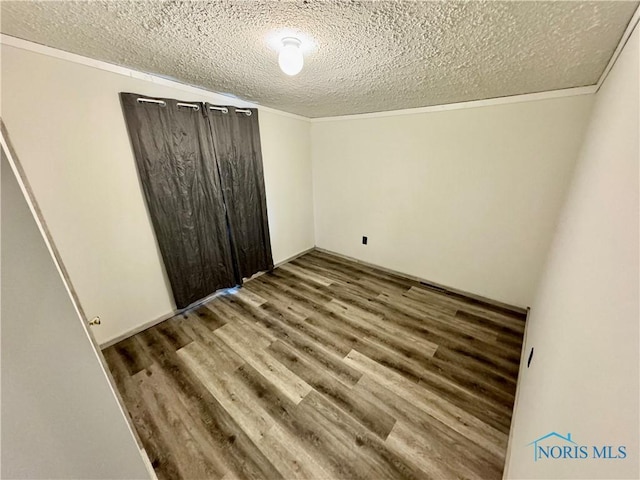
{"x": 323, "y": 369}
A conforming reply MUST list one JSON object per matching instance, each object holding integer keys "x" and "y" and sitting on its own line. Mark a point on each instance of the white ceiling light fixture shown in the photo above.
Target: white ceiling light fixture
{"x": 290, "y": 58}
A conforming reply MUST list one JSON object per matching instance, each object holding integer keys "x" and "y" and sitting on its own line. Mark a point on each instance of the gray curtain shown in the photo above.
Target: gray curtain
{"x": 174, "y": 152}
{"x": 236, "y": 140}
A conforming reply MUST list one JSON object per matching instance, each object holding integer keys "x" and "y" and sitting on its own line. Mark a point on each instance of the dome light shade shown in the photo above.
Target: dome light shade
{"x": 290, "y": 58}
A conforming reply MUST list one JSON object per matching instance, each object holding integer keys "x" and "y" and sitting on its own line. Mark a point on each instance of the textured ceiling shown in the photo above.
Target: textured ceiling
{"x": 360, "y": 56}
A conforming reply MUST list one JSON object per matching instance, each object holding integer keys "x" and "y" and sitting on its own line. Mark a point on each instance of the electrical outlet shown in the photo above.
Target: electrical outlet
{"x": 364, "y": 240}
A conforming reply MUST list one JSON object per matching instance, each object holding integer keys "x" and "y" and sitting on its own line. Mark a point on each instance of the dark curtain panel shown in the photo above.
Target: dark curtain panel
{"x": 174, "y": 153}
{"x": 236, "y": 139}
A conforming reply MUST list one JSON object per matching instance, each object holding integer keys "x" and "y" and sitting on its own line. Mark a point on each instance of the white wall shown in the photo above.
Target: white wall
{"x": 286, "y": 150}
{"x": 60, "y": 418}
{"x": 584, "y": 322}
{"x": 464, "y": 198}
{"x": 67, "y": 127}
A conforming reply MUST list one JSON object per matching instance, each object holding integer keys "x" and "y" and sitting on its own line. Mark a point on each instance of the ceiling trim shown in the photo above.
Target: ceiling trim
{"x": 621, "y": 44}
{"x": 128, "y": 72}
{"x": 527, "y": 97}
{"x": 120, "y": 70}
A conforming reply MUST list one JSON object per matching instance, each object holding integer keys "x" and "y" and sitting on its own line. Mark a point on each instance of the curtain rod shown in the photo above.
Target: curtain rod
{"x": 152, "y": 100}
{"x": 246, "y": 111}
{"x": 195, "y": 106}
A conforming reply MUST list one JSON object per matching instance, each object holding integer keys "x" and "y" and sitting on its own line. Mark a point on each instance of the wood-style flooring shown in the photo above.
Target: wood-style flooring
{"x": 325, "y": 369}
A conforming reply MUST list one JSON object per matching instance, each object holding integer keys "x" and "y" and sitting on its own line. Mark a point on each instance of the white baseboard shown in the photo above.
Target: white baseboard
{"x": 167, "y": 316}
{"x": 505, "y": 472}
{"x": 147, "y": 463}
{"x": 138, "y": 329}
{"x": 293, "y": 257}
{"x": 473, "y": 296}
